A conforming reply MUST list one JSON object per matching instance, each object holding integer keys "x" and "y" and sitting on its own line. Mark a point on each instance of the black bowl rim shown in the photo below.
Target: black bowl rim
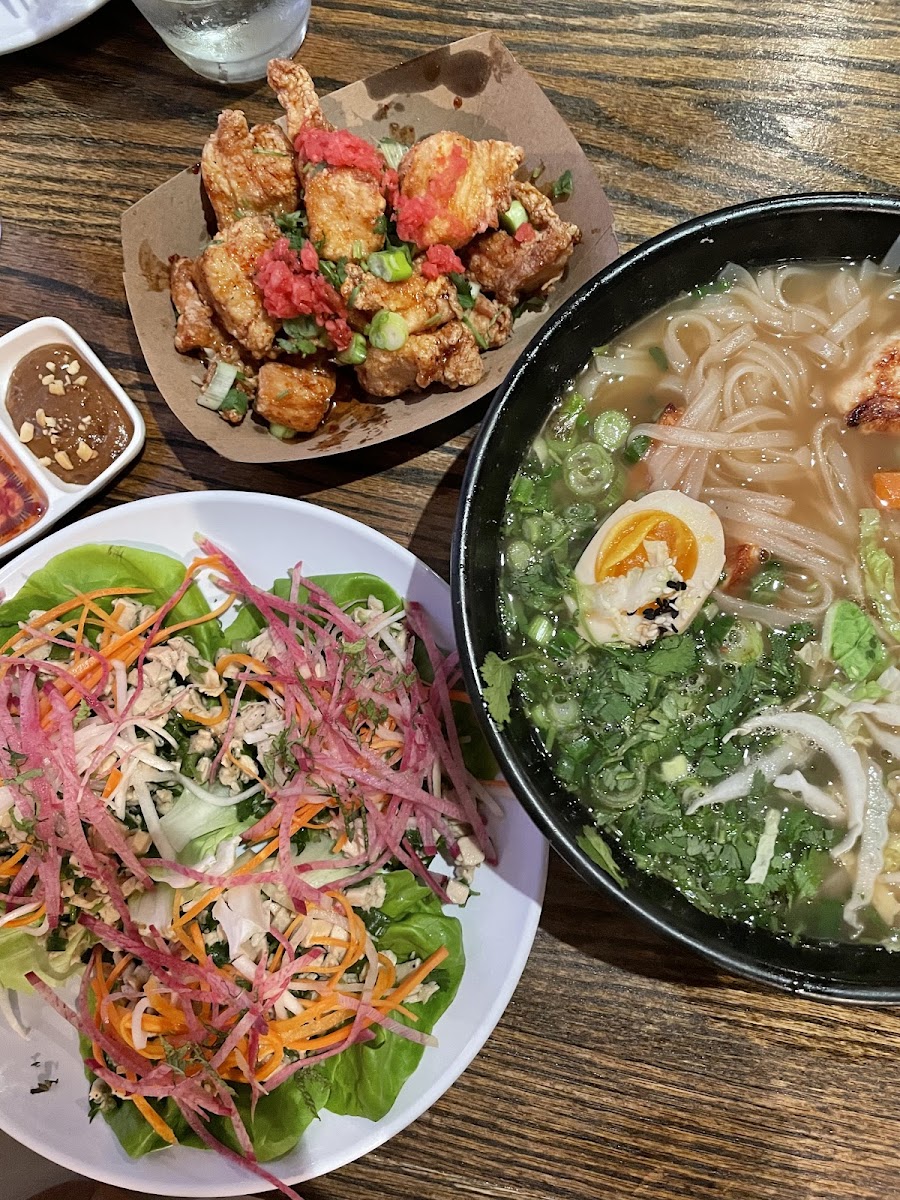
{"x": 729, "y": 959}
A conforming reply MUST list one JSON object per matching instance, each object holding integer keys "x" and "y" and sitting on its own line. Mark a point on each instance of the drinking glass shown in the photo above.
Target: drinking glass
{"x": 230, "y": 41}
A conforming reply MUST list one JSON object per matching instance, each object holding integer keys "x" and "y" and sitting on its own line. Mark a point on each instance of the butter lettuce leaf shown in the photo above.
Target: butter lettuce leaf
{"x": 88, "y": 568}
{"x": 20, "y": 954}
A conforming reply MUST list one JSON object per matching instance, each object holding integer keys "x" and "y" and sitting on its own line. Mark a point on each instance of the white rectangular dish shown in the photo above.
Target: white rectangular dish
{"x": 60, "y": 496}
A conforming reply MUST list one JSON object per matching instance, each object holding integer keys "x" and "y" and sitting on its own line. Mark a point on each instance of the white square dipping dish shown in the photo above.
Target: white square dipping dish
{"x": 61, "y": 496}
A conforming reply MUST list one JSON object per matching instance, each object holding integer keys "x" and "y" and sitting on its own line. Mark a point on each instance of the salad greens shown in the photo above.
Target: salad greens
{"x": 195, "y": 817}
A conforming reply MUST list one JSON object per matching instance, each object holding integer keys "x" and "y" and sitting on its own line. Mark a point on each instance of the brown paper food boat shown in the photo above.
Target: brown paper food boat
{"x": 473, "y": 86}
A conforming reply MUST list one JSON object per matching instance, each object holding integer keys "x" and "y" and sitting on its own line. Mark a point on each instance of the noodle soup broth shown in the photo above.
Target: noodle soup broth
{"x": 735, "y": 735}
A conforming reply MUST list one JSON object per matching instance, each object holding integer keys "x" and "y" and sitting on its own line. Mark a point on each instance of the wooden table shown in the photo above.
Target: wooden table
{"x": 623, "y": 1067}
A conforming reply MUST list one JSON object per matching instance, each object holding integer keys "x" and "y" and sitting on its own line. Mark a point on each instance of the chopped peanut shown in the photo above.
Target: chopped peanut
{"x": 26, "y": 433}
{"x": 64, "y": 461}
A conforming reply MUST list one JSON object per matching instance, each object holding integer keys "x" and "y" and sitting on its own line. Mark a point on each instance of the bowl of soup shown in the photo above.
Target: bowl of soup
{"x": 676, "y": 571}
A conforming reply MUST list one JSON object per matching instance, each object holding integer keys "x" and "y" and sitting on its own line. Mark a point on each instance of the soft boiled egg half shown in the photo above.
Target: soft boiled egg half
{"x": 648, "y": 569}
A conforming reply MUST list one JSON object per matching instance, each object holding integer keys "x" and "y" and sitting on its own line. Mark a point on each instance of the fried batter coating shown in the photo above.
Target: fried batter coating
{"x": 452, "y": 188}
{"x": 296, "y": 93}
{"x": 297, "y": 397}
{"x": 448, "y": 355}
{"x": 512, "y": 269}
{"x": 870, "y": 398}
{"x": 343, "y": 205}
{"x": 225, "y": 272}
{"x": 248, "y": 170}
{"x": 741, "y": 564}
{"x": 493, "y": 322}
{"x": 422, "y": 303}
{"x": 195, "y": 328}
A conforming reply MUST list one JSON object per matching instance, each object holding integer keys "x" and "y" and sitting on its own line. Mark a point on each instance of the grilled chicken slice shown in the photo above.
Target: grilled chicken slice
{"x": 248, "y": 170}
{"x": 344, "y": 206}
{"x": 225, "y": 273}
{"x": 511, "y": 269}
{"x": 296, "y": 93}
{"x": 448, "y": 355}
{"x": 452, "y": 188}
{"x": 297, "y": 397}
{"x": 422, "y": 303}
{"x": 870, "y": 398}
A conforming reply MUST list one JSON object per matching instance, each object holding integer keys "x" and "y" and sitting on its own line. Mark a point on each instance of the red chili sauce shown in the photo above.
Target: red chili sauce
{"x": 22, "y": 501}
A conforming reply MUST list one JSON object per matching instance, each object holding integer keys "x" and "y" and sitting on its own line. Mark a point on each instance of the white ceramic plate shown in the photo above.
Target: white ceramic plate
{"x": 27, "y": 22}
{"x": 266, "y": 535}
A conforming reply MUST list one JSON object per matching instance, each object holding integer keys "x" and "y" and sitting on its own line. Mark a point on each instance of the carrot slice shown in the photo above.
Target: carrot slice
{"x": 887, "y": 488}
{"x": 153, "y": 1119}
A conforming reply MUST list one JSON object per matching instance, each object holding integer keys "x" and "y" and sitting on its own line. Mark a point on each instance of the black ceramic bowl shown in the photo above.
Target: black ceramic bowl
{"x": 816, "y": 227}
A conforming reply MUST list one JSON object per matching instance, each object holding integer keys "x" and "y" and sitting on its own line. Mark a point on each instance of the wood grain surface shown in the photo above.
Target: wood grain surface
{"x": 623, "y": 1067}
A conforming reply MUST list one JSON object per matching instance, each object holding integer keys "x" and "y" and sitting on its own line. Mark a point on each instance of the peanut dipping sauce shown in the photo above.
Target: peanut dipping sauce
{"x": 66, "y": 415}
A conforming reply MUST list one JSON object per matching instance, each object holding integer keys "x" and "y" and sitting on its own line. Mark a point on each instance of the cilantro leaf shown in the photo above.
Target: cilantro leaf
{"x": 498, "y": 676}
{"x": 562, "y": 188}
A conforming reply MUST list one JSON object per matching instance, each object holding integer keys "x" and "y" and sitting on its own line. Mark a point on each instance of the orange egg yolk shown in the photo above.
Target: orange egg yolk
{"x": 624, "y": 549}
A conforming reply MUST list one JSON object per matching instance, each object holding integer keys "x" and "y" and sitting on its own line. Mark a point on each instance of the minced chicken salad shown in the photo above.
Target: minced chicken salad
{"x": 240, "y": 826}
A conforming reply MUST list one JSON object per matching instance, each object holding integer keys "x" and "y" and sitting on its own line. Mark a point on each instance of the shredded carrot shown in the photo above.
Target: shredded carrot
{"x": 112, "y": 782}
{"x": 208, "y": 718}
{"x": 16, "y": 858}
{"x": 153, "y": 1119}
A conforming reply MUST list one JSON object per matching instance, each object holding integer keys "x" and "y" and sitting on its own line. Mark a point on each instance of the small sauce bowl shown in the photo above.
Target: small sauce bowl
{"x": 43, "y": 496}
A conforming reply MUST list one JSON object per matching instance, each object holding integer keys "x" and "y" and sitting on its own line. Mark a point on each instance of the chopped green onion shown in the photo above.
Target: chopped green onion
{"x": 393, "y": 151}
{"x": 636, "y": 449}
{"x": 611, "y": 429}
{"x": 540, "y": 630}
{"x": 659, "y": 357}
{"x": 518, "y": 556}
{"x": 392, "y": 265}
{"x": 562, "y": 188}
{"x": 357, "y": 249}
{"x": 600, "y": 351}
{"x": 217, "y": 388}
{"x": 563, "y": 711}
{"x": 514, "y": 216}
{"x": 282, "y": 432}
{"x": 355, "y": 352}
{"x": 589, "y": 470}
{"x": 388, "y": 330}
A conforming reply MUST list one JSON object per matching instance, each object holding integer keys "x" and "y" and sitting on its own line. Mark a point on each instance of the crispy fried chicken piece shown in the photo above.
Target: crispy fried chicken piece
{"x": 452, "y": 188}
{"x": 248, "y": 170}
{"x": 448, "y": 355}
{"x": 511, "y": 269}
{"x": 494, "y": 322}
{"x": 741, "y": 563}
{"x": 297, "y": 397}
{"x": 195, "y": 328}
{"x": 225, "y": 272}
{"x": 343, "y": 205}
{"x": 296, "y": 93}
{"x": 870, "y": 399}
{"x": 422, "y": 303}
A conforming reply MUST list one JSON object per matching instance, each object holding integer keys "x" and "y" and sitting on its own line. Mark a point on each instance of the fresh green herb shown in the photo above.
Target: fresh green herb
{"x": 767, "y": 583}
{"x": 302, "y": 336}
{"x": 599, "y": 852}
{"x": 334, "y": 272}
{"x": 561, "y": 188}
{"x": 659, "y": 357}
{"x": 466, "y": 290}
{"x": 270, "y": 153}
{"x": 295, "y": 227}
{"x": 499, "y": 677}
